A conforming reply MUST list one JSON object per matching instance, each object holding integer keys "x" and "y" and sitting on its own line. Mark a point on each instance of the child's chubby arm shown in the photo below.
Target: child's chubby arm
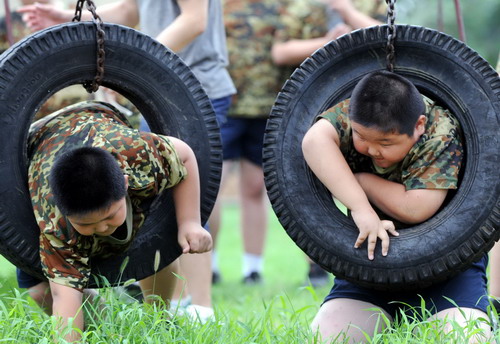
{"x": 67, "y": 303}
{"x": 322, "y": 153}
{"x": 408, "y": 206}
{"x": 192, "y": 237}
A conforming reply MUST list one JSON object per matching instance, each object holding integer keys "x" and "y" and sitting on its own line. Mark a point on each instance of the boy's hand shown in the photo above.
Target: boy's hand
{"x": 40, "y": 16}
{"x": 371, "y": 227}
{"x": 193, "y": 238}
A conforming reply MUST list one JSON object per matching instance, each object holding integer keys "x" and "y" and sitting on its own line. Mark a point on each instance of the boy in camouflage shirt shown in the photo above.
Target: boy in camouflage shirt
{"x": 389, "y": 147}
{"x": 102, "y": 176}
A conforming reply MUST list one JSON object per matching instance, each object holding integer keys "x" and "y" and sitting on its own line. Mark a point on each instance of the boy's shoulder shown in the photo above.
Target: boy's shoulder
{"x": 440, "y": 121}
{"x": 338, "y": 114}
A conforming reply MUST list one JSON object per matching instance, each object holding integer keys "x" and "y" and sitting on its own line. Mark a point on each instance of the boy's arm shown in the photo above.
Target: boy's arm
{"x": 351, "y": 15}
{"x": 412, "y": 206}
{"x": 322, "y": 153}
{"x": 193, "y": 238}
{"x": 294, "y": 51}
{"x": 67, "y": 303}
{"x": 40, "y": 16}
{"x": 191, "y": 23}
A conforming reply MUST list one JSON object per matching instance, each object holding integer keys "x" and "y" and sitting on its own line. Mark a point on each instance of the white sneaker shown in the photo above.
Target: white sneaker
{"x": 177, "y": 304}
{"x": 200, "y": 313}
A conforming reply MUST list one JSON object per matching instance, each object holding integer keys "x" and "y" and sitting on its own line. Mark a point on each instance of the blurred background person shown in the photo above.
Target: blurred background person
{"x": 253, "y": 29}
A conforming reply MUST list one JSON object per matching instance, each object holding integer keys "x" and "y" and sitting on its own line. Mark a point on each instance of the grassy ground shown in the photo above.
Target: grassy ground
{"x": 279, "y": 311}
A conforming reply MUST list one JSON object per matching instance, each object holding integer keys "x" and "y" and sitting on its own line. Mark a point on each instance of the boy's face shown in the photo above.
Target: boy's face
{"x": 101, "y": 222}
{"x": 385, "y": 149}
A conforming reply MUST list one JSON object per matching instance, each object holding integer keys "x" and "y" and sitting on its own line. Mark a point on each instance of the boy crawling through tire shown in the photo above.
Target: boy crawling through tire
{"x": 91, "y": 178}
{"x": 391, "y": 148}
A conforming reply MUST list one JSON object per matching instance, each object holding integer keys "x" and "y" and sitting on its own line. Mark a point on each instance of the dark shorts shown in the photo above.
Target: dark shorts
{"x": 243, "y": 138}
{"x": 221, "y": 108}
{"x": 468, "y": 289}
{"x": 25, "y": 280}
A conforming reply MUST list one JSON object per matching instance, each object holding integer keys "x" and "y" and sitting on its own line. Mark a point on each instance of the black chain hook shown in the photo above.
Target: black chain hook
{"x": 92, "y": 86}
{"x": 391, "y": 34}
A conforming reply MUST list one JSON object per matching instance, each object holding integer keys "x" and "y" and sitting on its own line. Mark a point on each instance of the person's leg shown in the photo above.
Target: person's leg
{"x": 495, "y": 270}
{"x": 231, "y": 131}
{"x": 40, "y": 293}
{"x": 197, "y": 268}
{"x": 215, "y": 220}
{"x": 161, "y": 283}
{"x": 316, "y": 276}
{"x": 38, "y": 290}
{"x": 214, "y": 223}
{"x": 253, "y": 219}
{"x": 463, "y": 301}
{"x": 480, "y": 332}
{"x": 253, "y": 200}
{"x": 343, "y": 318}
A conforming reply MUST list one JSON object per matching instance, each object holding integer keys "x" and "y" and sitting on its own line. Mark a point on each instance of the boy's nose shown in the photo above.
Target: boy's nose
{"x": 101, "y": 228}
{"x": 372, "y": 151}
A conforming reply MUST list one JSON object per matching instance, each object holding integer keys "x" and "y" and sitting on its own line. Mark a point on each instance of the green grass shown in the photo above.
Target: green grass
{"x": 279, "y": 311}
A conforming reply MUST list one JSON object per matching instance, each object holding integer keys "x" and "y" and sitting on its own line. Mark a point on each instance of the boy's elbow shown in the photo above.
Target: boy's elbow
{"x": 415, "y": 216}
{"x": 308, "y": 143}
{"x": 421, "y": 205}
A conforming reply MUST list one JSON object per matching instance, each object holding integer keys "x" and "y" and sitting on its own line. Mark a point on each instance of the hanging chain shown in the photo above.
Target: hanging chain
{"x": 94, "y": 84}
{"x": 391, "y": 34}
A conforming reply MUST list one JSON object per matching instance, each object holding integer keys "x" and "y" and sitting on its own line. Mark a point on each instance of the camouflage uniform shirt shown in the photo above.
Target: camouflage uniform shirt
{"x": 149, "y": 160}
{"x": 432, "y": 163}
{"x": 252, "y": 27}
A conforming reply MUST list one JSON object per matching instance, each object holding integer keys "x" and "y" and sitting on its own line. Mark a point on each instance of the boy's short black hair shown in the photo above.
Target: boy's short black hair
{"x": 86, "y": 179}
{"x": 386, "y": 101}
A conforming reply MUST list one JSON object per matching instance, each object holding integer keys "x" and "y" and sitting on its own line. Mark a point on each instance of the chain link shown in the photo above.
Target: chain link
{"x": 93, "y": 86}
{"x": 391, "y": 34}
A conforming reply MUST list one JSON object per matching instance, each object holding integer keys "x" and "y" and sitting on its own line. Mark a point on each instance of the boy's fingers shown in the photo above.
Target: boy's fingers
{"x": 389, "y": 227}
{"x": 385, "y": 242}
{"x": 195, "y": 246}
{"x": 184, "y": 244}
{"x": 361, "y": 239}
{"x": 372, "y": 242}
{"x": 393, "y": 231}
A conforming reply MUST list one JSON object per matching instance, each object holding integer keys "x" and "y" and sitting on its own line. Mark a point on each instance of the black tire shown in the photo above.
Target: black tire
{"x": 466, "y": 227}
{"x": 157, "y": 82}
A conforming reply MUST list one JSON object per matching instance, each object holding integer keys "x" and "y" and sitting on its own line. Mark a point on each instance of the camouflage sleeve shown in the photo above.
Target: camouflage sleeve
{"x": 301, "y": 19}
{"x": 62, "y": 262}
{"x": 338, "y": 117}
{"x": 171, "y": 161}
{"x": 171, "y": 170}
{"x": 435, "y": 164}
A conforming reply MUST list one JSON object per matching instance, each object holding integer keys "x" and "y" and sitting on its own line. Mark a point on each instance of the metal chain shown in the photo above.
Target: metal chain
{"x": 391, "y": 34}
{"x": 94, "y": 84}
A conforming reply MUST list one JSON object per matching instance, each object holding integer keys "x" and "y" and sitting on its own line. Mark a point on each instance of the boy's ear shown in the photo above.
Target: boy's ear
{"x": 420, "y": 125}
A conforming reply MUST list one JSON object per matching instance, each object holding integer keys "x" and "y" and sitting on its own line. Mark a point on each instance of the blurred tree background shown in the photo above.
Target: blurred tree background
{"x": 481, "y": 21}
